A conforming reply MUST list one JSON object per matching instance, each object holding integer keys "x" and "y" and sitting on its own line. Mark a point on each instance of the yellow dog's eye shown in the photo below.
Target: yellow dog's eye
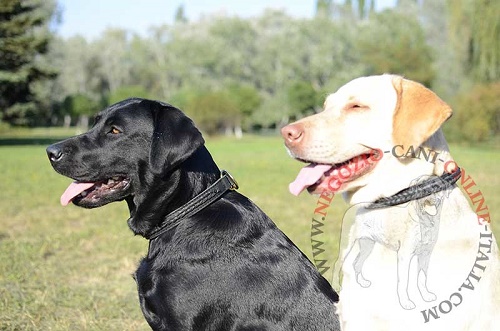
{"x": 355, "y": 106}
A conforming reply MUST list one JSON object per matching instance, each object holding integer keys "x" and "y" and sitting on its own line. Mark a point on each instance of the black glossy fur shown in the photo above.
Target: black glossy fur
{"x": 226, "y": 268}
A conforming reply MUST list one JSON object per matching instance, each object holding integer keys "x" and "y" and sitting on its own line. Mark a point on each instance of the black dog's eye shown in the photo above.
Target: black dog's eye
{"x": 115, "y": 130}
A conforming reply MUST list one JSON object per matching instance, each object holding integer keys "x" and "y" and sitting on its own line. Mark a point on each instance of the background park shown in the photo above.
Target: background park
{"x": 241, "y": 78}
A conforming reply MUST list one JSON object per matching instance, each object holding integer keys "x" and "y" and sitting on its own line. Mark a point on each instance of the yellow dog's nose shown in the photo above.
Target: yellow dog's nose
{"x": 293, "y": 134}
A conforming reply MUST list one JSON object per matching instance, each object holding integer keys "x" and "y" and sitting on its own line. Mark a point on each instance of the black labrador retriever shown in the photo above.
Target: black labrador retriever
{"x": 215, "y": 260}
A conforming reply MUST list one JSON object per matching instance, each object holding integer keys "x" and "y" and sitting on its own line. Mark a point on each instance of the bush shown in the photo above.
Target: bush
{"x": 214, "y": 112}
{"x": 477, "y": 113}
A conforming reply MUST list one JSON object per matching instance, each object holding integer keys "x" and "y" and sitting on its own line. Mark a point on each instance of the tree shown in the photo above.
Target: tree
{"x": 247, "y": 100}
{"x": 361, "y": 9}
{"x": 214, "y": 112}
{"x": 449, "y": 73}
{"x": 324, "y": 8}
{"x": 76, "y": 67}
{"x": 477, "y": 113}
{"x": 476, "y": 29}
{"x": 81, "y": 106}
{"x": 180, "y": 15}
{"x": 303, "y": 98}
{"x": 24, "y": 40}
{"x": 230, "y": 72}
{"x": 111, "y": 51}
{"x": 234, "y": 66}
{"x": 394, "y": 42}
{"x": 128, "y": 91}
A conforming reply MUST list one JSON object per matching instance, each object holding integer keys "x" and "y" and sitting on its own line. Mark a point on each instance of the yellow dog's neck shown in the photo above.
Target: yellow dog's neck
{"x": 396, "y": 171}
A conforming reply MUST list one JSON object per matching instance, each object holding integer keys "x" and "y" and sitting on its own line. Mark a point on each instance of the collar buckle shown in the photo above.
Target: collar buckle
{"x": 234, "y": 184}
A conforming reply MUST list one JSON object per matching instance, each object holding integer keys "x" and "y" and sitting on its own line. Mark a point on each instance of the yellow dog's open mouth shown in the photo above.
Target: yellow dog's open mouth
{"x": 317, "y": 177}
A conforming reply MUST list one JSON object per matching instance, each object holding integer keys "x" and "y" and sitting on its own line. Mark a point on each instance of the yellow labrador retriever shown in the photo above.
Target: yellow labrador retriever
{"x": 417, "y": 251}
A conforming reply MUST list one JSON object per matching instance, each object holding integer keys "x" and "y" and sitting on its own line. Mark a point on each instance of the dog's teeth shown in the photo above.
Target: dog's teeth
{"x": 83, "y": 194}
{"x": 117, "y": 178}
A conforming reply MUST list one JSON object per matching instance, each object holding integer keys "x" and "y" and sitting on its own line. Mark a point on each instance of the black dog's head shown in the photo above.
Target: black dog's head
{"x": 132, "y": 152}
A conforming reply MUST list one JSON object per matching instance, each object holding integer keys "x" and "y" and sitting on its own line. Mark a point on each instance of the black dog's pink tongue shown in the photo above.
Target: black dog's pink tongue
{"x": 73, "y": 190}
{"x": 308, "y": 176}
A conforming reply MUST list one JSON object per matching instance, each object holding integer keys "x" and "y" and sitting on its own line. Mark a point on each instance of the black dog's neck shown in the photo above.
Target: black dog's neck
{"x": 165, "y": 194}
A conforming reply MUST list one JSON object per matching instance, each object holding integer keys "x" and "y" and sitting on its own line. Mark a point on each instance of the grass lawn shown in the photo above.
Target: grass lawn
{"x": 66, "y": 268}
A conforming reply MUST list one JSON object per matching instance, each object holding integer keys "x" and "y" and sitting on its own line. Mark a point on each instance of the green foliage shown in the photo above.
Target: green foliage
{"x": 214, "y": 112}
{"x": 324, "y": 8}
{"x": 24, "y": 39}
{"x": 265, "y": 71}
{"x": 180, "y": 16}
{"x": 80, "y": 104}
{"x": 223, "y": 110}
{"x": 247, "y": 100}
{"x": 183, "y": 98}
{"x": 273, "y": 113}
{"x": 394, "y": 42}
{"x": 475, "y": 26}
{"x": 477, "y": 113}
{"x": 260, "y": 72}
{"x": 361, "y": 8}
{"x": 129, "y": 91}
{"x": 303, "y": 98}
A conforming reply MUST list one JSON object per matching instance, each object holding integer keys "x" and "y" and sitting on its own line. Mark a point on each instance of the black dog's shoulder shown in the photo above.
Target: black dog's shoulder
{"x": 239, "y": 263}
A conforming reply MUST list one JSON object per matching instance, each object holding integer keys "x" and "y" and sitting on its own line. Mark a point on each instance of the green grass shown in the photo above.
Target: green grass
{"x": 66, "y": 268}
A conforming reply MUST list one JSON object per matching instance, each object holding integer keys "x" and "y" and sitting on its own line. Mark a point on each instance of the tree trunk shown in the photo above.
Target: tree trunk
{"x": 238, "y": 132}
{"x": 83, "y": 122}
{"x": 67, "y": 121}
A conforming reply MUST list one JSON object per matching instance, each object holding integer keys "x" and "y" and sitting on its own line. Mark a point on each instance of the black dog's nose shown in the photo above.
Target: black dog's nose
{"x": 54, "y": 153}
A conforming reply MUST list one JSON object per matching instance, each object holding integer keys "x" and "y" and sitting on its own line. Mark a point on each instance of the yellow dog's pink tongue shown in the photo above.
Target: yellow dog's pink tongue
{"x": 308, "y": 176}
{"x": 73, "y": 190}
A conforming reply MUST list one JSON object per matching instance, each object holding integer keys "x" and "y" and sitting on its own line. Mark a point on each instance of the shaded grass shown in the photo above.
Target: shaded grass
{"x": 70, "y": 268}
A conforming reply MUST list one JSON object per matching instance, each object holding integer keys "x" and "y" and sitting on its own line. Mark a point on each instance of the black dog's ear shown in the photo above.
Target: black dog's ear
{"x": 175, "y": 138}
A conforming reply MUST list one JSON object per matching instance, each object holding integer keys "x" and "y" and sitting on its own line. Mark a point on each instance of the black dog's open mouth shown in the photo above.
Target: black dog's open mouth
{"x": 95, "y": 193}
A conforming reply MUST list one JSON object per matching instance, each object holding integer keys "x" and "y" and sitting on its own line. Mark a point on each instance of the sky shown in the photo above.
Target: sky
{"x": 90, "y": 17}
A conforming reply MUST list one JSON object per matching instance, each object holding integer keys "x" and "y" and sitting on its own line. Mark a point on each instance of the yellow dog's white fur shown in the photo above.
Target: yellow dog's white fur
{"x": 380, "y": 112}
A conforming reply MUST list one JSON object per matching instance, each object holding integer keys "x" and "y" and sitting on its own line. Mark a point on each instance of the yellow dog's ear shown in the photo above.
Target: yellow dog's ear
{"x": 419, "y": 113}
